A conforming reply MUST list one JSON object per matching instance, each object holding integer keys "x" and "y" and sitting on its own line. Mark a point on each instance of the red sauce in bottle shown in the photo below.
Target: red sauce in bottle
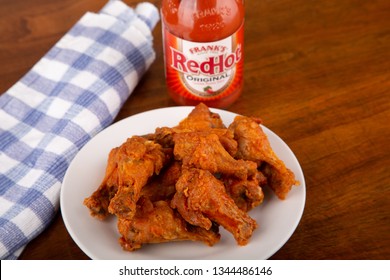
{"x": 203, "y": 50}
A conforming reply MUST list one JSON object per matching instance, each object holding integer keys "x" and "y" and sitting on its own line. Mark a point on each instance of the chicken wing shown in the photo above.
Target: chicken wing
{"x": 201, "y": 118}
{"x": 205, "y": 151}
{"x": 201, "y": 199}
{"x": 139, "y": 159}
{"x": 156, "y": 222}
{"x": 254, "y": 145}
{"x": 100, "y": 199}
{"x": 246, "y": 193}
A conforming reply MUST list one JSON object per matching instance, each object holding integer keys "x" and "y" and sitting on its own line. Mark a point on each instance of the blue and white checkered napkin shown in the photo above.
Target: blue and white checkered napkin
{"x": 70, "y": 95}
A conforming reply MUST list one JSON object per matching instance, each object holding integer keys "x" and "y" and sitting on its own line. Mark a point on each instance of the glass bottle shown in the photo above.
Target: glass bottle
{"x": 203, "y": 50}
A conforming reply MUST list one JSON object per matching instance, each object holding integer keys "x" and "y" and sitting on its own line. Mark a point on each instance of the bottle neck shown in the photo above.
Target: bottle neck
{"x": 202, "y": 20}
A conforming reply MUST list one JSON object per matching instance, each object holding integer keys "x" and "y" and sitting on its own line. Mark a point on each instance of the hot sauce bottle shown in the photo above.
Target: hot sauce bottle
{"x": 203, "y": 50}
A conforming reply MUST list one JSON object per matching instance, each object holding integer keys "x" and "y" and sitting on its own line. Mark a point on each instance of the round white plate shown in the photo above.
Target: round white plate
{"x": 277, "y": 219}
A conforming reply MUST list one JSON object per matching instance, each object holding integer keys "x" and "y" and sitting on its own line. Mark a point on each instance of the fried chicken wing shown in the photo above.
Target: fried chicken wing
{"x": 201, "y": 198}
{"x": 201, "y": 118}
{"x": 246, "y": 193}
{"x": 205, "y": 151}
{"x": 139, "y": 159}
{"x": 100, "y": 199}
{"x": 156, "y": 222}
{"x": 254, "y": 145}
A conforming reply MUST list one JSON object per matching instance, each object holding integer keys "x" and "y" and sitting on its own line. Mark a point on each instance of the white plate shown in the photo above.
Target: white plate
{"x": 277, "y": 219}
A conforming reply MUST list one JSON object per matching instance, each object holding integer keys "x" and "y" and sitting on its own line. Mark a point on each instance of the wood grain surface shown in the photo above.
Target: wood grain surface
{"x": 316, "y": 72}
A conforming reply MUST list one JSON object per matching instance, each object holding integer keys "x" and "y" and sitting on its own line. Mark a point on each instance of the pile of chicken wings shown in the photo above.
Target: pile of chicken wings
{"x": 183, "y": 182}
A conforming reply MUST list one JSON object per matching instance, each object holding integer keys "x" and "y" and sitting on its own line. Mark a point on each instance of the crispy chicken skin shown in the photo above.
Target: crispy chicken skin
{"x": 201, "y": 198}
{"x": 138, "y": 160}
{"x": 254, "y": 145}
{"x": 156, "y": 222}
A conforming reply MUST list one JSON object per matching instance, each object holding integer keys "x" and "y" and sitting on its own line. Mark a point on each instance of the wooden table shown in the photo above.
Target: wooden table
{"x": 316, "y": 72}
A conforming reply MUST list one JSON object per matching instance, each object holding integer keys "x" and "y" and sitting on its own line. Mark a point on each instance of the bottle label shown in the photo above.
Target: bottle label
{"x": 204, "y": 71}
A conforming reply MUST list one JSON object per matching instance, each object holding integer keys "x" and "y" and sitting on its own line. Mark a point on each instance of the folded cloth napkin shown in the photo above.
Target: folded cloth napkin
{"x": 70, "y": 95}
